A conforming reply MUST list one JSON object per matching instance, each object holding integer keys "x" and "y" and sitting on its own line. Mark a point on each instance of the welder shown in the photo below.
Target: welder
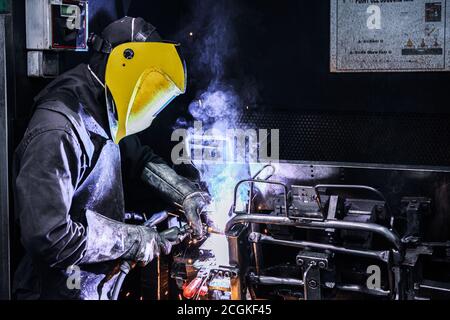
{"x": 67, "y": 169}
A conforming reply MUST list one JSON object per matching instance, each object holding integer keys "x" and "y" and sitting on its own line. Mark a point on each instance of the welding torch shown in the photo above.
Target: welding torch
{"x": 174, "y": 235}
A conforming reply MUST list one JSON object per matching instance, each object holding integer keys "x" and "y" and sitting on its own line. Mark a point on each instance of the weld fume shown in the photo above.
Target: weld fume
{"x": 218, "y": 105}
{"x": 218, "y": 110}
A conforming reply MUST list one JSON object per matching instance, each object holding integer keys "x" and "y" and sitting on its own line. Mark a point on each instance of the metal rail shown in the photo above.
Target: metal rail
{"x": 254, "y": 228}
{"x": 256, "y": 181}
{"x": 277, "y": 281}
{"x": 354, "y": 187}
{"x": 387, "y": 234}
{"x": 378, "y": 255}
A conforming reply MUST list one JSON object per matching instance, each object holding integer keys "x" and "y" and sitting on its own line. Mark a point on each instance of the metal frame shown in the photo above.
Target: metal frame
{"x": 5, "y": 292}
{"x": 384, "y": 232}
{"x": 393, "y": 185}
{"x": 393, "y": 181}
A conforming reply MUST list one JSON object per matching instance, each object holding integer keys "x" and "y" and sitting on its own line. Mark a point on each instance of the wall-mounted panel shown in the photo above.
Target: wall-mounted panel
{"x": 390, "y": 35}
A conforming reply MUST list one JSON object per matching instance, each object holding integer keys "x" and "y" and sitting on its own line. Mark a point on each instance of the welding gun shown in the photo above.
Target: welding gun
{"x": 174, "y": 235}
{"x": 177, "y": 235}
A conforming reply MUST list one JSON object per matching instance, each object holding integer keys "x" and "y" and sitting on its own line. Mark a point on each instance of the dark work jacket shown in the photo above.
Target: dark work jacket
{"x": 65, "y": 165}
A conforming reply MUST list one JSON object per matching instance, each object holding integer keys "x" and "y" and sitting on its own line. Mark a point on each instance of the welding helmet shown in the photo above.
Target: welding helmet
{"x": 143, "y": 74}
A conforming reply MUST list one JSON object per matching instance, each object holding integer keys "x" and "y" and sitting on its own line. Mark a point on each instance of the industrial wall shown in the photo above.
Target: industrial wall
{"x": 278, "y": 62}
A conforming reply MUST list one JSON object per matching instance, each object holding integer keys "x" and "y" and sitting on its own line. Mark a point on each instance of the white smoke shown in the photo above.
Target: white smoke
{"x": 218, "y": 105}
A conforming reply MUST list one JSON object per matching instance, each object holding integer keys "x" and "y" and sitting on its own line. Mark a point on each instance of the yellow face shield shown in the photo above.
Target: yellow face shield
{"x": 142, "y": 78}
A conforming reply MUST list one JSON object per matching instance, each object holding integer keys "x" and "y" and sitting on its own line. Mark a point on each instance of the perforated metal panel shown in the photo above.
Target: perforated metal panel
{"x": 364, "y": 138}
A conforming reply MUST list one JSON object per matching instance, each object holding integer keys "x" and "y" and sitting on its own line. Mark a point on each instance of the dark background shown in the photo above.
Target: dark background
{"x": 276, "y": 55}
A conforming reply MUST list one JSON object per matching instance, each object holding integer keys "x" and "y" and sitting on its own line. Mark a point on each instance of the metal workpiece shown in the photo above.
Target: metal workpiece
{"x": 275, "y": 281}
{"x": 311, "y": 224}
{"x": 252, "y": 182}
{"x": 312, "y": 287}
{"x": 257, "y": 175}
{"x": 312, "y": 264}
{"x": 415, "y": 210}
{"x": 363, "y": 289}
{"x": 436, "y": 286}
{"x": 378, "y": 255}
{"x": 367, "y": 189}
{"x": 256, "y": 248}
{"x": 258, "y": 218}
{"x": 238, "y": 246}
{"x": 350, "y": 187}
{"x": 356, "y": 226}
{"x": 279, "y": 281}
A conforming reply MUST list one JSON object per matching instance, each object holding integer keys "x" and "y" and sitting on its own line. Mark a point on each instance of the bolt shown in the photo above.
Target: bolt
{"x": 322, "y": 265}
{"x": 253, "y": 237}
{"x": 128, "y": 54}
{"x": 312, "y": 284}
{"x": 300, "y": 262}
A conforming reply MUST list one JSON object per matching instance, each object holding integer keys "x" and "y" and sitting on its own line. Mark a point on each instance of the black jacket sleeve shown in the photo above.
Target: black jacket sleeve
{"x": 135, "y": 156}
{"x": 49, "y": 173}
{"x": 45, "y": 183}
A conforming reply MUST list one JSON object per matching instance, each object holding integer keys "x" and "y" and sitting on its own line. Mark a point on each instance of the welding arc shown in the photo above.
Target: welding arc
{"x": 213, "y": 230}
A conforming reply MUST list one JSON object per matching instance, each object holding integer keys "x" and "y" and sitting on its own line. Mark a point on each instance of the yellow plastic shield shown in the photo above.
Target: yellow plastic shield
{"x": 142, "y": 78}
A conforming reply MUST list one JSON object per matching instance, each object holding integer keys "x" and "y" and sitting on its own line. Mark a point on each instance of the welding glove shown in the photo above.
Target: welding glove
{"x": 180, "y": 191}
{"x": 109, "y": 240}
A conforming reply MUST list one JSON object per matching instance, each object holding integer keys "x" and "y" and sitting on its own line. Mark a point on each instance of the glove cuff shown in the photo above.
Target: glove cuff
{"x": 108, "y": 239}
{"x": 175, "y": 188}
{"x": 205, "y": 196}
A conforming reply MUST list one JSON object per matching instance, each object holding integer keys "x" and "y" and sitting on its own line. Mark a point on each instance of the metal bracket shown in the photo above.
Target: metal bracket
{"x": 305, "y": 203}
{"x": 415, "y": 209}
{"x": 312, "y": 263}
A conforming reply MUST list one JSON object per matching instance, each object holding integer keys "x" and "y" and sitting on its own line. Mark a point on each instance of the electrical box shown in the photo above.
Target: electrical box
{"x": 53, "y": 26}
{"x": 390, "y": 36}
{"x": 5, "y": 6}
{"x": 57, "y": 24}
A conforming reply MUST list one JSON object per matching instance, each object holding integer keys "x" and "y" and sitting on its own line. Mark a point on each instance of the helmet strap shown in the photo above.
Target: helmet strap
{"x": 99, "y": 44}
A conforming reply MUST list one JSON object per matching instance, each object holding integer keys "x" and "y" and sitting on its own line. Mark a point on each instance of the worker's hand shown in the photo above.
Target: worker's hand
{"x": 194, "y": 206}
{"x": 150, "y": 246}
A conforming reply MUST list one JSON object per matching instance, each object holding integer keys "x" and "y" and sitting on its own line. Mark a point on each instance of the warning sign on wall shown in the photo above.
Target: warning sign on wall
{"x": 390, "y": 35}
